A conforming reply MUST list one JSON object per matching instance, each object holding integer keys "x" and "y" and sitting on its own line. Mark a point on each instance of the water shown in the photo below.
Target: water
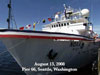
{"x": 8, "y": 66}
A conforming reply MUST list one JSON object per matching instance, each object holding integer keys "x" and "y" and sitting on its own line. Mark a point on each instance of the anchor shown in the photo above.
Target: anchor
{"x": 51, "y": 55}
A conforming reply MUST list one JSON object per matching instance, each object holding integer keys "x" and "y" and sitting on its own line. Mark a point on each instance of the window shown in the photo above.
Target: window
{"x": 56, "y": 25}
{"x": 85, "y": 24}
{"x": 67, "y": 23}
{"x": 64, "y": 24}
{"x": 59, "y": 25}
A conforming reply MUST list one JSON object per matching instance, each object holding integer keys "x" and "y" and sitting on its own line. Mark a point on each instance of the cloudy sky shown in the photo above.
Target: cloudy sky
{"x": 29, "y": 11}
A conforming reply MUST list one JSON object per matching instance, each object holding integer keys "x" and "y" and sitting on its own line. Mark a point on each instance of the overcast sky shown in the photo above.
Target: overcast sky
{"x": 28, "y": 11}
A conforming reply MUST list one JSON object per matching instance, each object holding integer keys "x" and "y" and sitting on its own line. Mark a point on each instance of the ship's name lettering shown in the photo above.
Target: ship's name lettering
{"x": 77, "y": 44}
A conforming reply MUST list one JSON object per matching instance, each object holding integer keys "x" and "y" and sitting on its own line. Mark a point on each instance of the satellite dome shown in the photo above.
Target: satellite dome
{"x": 85, "y": 12}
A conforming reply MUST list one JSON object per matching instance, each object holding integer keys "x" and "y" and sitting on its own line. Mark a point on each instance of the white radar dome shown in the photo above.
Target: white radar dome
{"x": 85, "y": 12}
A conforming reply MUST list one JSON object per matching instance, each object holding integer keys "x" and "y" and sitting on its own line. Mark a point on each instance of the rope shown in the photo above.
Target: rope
{"x": 13, "y": 19}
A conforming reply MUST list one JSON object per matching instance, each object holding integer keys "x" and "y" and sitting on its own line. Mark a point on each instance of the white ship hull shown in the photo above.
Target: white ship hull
{"x": 28, "y": 48}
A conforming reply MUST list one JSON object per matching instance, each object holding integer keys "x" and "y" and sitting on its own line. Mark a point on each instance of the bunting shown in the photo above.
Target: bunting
{"x": 43, "y": 21}
{"x": 34, "y": 25}
{"x": 49, "y": 19}
{"x": 21, "y": 28}
{"x": 38, "y": 22}
{"x": 28, "y": 26}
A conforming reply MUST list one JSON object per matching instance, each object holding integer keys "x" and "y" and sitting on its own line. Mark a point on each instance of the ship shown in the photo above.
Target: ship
{"x": 69, "y": 39}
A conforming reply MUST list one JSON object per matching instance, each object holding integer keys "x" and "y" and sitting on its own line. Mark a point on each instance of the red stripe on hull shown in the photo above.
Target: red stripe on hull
{"x": 40, "y": 37}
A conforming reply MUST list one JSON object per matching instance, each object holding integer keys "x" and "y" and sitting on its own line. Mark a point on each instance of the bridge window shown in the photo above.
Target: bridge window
{"x": 59, "y": 25}
{"x": 64, "y": 24}
{"x": 67, "y": 23}
{"x": 56, "y": 25}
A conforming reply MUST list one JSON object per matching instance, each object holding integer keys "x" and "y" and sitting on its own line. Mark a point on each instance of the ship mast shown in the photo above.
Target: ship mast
{"x": 9, "y": 14}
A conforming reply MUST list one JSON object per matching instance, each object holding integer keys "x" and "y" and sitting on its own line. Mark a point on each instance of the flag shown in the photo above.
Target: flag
{"x": 52, "y": 19}
{"x": 43, "y": 21}
{"x": 28, "y": 26}
{"x": 21, "y": 28}
{"x": 96, "y": 35}
{"x": 49, "y": 19}
{"x": 34, "y": 25}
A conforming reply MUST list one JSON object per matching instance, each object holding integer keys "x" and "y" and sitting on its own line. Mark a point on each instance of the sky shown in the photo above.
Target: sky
{"x": 29, "y": 11}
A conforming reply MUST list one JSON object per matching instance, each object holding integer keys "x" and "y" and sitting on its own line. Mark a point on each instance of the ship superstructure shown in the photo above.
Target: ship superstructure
{"x": 71, "y": 21}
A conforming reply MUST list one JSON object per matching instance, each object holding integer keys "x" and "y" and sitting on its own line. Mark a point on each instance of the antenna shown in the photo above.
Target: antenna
{"x": 65, "y": 6}
{"x": 9, "y": 14}
{"x": 65, "y": 9}
{"x": 91, "y": 19}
